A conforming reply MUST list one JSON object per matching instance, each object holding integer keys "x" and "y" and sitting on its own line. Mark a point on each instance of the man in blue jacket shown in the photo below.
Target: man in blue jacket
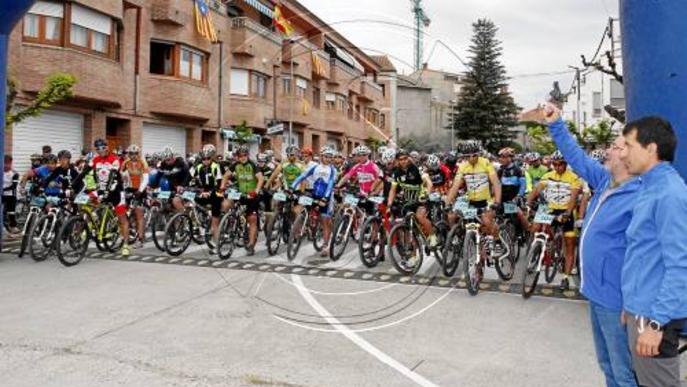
{"x": 654, "y": 277}
{"x": 602, "y": 246}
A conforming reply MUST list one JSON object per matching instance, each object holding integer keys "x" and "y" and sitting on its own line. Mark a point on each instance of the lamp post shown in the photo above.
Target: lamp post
{"x": 453, "y": 104}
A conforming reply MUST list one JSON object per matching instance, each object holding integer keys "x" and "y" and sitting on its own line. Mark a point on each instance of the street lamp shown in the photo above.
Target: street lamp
{"x": 453, "y": 104}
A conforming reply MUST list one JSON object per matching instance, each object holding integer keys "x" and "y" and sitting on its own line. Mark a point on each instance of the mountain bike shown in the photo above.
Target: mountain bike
{"x": 44, "y": 230}
{"x": 545, "y": 251}
{"x": 372, "y": 239}
{"x": 349, "y": 222}
{"x": 233, "y": 227}
{"x": 191, "y": 225}
{"x": 306, "y": 220}
{"x": 279, "y": 228}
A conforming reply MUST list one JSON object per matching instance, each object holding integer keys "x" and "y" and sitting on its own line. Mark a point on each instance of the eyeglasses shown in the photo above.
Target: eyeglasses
{"x": 101, "y": 148}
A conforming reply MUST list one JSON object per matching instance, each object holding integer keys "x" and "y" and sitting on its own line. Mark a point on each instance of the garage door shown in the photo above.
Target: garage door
{"x": 58, "y": 129}
{"x": 157, "y": 137}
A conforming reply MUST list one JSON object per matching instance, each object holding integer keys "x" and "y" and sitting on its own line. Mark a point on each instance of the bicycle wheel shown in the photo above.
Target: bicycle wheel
{"x": 199, "y": 227}
{"x": 505, "y": 266}
{"x": 112, "y": 238}
{"x": 227, "y": 236}
{"x": 453, "y": 250}
{"x": 296, "y": 236}
{"x": 72, "y": 241}
{"x": 441, "y": 231}
{"x": 273, "y": 233}
{"x": 318, "y": 233}
{"x": 42, "y": 237}
{"x": 177, "y": 234}
{"x": 553, "y": 264}
{"x": 473, "y": 269}
{"x": 339, "y": 238}
{"x": 371, "y": 242}
{"x": 26, "y": 238}
{"x": 510, "y": 230}
{"x": 208, "y": 236}
{"x": 157, "y": 225}
{"x": 531, "y": 274}
{"x": 405, "y": 249}
{"x": 133, "y": 227}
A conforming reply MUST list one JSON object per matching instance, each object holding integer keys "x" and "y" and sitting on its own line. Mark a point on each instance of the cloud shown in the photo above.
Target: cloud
{"x": 539, "y": 36}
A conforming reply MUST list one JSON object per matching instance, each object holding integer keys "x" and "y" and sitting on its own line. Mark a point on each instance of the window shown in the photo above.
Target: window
{"x": 341, "y": 103}
{"x": 382, "y": 121}
{"x": 286, "y": 85}
{"x": 239, "y": 82}
{"x": 258, "y": 85}
{"x": 301, "y": 87}
{"x": 316, "y": 95}
{"x": 191, "y": 64}
{"x": 161, "y": 58}
{"x": 90, "y": 30}
{"x": 596, "y": 104}
{"x": 43, "y": 23}
{"x": 357, "y": 112}
{"x": 330, "y": 99}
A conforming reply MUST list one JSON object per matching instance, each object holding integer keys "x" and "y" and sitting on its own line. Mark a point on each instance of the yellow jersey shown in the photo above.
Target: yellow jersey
{"x": 558, "y": 189}
{"x": 476, "y": 178}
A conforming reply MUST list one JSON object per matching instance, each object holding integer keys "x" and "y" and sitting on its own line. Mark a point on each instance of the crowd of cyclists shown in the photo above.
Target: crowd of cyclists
{"x": 470, "y": 209}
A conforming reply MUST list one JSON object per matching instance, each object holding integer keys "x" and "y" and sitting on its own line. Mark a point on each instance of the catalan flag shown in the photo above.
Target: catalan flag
{"x": 281, "y": 23}
{"x": 318, "y": 67}
{"x": 204, "y": 25}
{"x": 305, "y": 107}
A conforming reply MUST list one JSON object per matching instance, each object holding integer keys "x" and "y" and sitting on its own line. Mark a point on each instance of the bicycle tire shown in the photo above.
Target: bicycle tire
{"x": 178, "y": 225}
{"x": 74, "y": 230}
{"x": 398, "y": 259}
{"x": 226, "y": 236}
{"x": 473, "y": 270}
{"x": 453, "y": 250}
{"x": 273, "y": 234}
{"x": 339, "y": 238}
{"x": 556, "y": 253}
{"x": 531, "y": 274}
{"x": 31, "y": 218}
{"x": 157, "y": 225}
{"x": 133, "y": 227}
{"x": 38, "y": 228}
{"x": 298, "y": 231}
{"x": 505, "y": 267}
{"x": 371, "y": 252}
{"x": 199, "y": 230}
{"x": 318, "y": 234}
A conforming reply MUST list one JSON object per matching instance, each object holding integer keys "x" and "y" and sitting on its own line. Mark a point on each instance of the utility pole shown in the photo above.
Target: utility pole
{"x": 579, "y": 93}
{"x": 421, "y": 21}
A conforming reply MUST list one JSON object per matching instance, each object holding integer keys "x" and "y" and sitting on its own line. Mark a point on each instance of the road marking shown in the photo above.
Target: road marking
{"x": 356, "y": 339}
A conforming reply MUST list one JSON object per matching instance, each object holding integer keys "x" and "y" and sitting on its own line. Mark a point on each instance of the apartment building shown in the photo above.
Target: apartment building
{"x": 146, "y": 76}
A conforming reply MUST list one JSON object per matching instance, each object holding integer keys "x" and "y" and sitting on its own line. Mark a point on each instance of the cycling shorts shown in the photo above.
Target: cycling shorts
{"x": 215, "y": 203}
{"x": 568, "y": 225}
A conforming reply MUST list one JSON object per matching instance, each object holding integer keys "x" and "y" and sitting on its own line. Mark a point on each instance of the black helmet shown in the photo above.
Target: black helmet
{"x": 36, "y": 157}
{"x": 242, "y": 150}
{"x": 64, "y": 154}
{"x": 99, "y": 143}
{"x": 401, "y": 152}
{"x": 51, "y": 158}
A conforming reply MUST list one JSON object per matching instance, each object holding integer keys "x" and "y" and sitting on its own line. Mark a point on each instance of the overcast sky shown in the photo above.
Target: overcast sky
{"x": 539, "y": 36}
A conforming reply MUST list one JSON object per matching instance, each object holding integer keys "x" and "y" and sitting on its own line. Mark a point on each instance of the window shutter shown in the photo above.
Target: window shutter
{"x": 48, "y": 8}
{"x": 239, "y": 82}
{"x": 92, "y": 20}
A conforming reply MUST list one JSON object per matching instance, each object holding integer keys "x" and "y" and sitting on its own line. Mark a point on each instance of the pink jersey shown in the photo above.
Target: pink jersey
{"x": 365, "y": 174}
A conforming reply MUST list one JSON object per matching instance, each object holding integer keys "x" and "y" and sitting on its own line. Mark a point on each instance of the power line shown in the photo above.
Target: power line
{"x": 543, "y": 74}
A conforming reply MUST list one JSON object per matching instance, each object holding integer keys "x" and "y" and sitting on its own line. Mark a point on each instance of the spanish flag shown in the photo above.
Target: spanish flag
{"x": 281, "y": 23}
{"x": 204, "y": 26}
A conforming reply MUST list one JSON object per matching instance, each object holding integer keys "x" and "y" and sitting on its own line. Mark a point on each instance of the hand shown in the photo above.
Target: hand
{"x": 648, "y": 342}
{"x": 551, "y": 113}
{"x": 204, "y": 194}
{"x": 252, "y": 194}
{"x": 180, "y": 189}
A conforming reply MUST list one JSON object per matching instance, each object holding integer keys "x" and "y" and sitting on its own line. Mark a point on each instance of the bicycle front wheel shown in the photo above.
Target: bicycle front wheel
{"x": 371, "y": 242}
{"x": 273, "y": 233}
{"x": 178, "y": 234}
{"x": 531, "y": 272}
{"x": 42, "y": 237}
{"x": 72, "y": 241}
{"x": 296, "y": 236}
{"x": 227, "y": 236}
{"x": 339, "y": 238}
{"x": 453, "y": 250}
{"x": 405, "y": 249}
{"x": 473, "y": 269}
{"x": 26, "y": 238}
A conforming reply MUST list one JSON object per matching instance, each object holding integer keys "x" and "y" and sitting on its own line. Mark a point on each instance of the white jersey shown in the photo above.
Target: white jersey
{"x": 311, "y": 179}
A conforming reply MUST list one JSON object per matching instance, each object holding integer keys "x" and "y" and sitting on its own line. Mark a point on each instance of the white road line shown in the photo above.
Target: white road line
{"x": 357, "y": 340}
{"x": 387, "y": 286}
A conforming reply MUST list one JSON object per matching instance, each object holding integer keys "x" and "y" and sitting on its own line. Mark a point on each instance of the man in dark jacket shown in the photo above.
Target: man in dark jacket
{"x": 603, "y": 246}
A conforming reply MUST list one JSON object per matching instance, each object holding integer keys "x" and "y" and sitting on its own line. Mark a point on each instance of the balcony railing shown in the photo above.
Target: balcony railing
{"x": 238, "y": 23}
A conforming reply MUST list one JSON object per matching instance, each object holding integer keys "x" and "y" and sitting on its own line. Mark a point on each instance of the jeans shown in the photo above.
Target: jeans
{"x": 612, "y": 351}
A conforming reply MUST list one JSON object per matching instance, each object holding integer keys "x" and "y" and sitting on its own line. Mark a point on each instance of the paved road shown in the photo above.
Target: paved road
{"x": 148, "y": 321}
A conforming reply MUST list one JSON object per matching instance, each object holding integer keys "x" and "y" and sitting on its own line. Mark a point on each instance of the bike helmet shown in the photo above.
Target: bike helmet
{"x": 433, "y": 162}
{"x": 167, "y": 153}
{"x": 36, "y": 156}
{"x": 507, "y": 152}
{"x": 133, "y": 148}
{"x": 451, "y": 159}
{"x": 51, "y": 158}
{"x": 262, "y": 158}
{"x": 64, "y": 154}
{"x": 388, "y": 156}
{"x": 415, "y": 155}
{"x": 269, "y": 154}
{"x": 99, "y": 143}
{"x": 361, "y": 150}
{"x": 557, "y": 156}
{"x": 470, "y": 147}
{"x": 306, "y": 151}
{"x": 401, "y": 152}
{"x": 242, "y": 150}
{"x": 328, "y": 151}
{"x": 598, "y": 155}
{"x": 292, "y": 151}
{"x": 208, "y": 151}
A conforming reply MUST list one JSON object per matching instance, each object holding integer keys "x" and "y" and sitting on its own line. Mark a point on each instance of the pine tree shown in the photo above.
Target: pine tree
{"x": 485, "y": 110}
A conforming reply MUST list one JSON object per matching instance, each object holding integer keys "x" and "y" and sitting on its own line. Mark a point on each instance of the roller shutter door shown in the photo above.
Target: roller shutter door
{"x": 157, "y": 137}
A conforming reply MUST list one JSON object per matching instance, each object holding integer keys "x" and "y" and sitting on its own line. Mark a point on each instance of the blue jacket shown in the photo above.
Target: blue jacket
{"x": 602, "y": 243}
{"x": 654, "y": 278}
{"x": 321, "y": 189}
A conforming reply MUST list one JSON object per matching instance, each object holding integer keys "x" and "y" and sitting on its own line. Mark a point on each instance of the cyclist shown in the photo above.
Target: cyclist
{"x": 287, "y": 171}
{"x": 365, "y": 173}
{"x": 136, "y": 176}
{"x": 513, "y": 181}
{"x": 175, "y": 172}
{"x": 439, "y": 173}
{"x": 323, "y": 176}
{"x": 250, "y": 181}
{"x": 41, "y": 175}
{"x": 482, "y": 185}
{"x": 560, "y": 188}
{"x": 410, "y": 186}
{"x": 36, "y": 160}
{"x": 451, "y": 162}
{"x": 208, "y": 177}
{"x": 9, "y": 197}
{"x": 266, "y": 167}
{"x": 535, "y": 170}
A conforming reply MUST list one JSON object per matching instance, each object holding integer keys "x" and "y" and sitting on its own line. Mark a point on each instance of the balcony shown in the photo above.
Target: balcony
{"x": 251, "y": 39}
{"x": 371, "y": 92}
{"x": 256, "y": 112}
{"x": 171, "y": 12}
{"x": 337, "y": 122}
{"x": 178, "y": 98}
{"x": 344, "y": 76}
{"x": 100, "y": 81}
{"x": 297, "y": 113}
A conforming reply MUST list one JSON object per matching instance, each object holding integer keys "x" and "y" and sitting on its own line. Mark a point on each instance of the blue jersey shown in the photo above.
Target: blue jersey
{"x": 55, "y": 186}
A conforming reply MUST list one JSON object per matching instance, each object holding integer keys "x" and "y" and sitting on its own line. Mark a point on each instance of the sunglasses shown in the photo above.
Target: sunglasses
{"x": 206, "y": 158}
{"x": 101, "y": 148}
{"x": 558, "y": 163}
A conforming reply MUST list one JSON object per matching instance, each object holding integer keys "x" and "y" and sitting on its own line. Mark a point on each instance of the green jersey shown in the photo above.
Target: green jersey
{"x": 290, "y": 171}
{"x": 245, "y": 175}
{"x": 533, "y": 175}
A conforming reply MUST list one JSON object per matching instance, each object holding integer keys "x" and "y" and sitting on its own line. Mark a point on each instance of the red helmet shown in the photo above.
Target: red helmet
{"x": 306, "y": 151}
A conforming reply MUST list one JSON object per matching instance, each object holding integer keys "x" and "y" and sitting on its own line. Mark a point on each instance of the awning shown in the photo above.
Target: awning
{"x": 229, "y": 134}
{"x": 262, "y": 8}
{"x": 344, "y": 56}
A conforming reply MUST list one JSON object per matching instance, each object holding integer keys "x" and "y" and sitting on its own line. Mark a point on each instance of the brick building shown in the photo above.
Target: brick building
{"x": 146, "y": 76}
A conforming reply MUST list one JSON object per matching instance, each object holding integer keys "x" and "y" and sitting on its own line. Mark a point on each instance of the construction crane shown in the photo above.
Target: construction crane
{"x": 421, "y": 22}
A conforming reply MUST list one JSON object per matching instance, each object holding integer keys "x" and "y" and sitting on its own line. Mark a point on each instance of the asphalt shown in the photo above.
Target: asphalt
{"x": 146, "y": 321}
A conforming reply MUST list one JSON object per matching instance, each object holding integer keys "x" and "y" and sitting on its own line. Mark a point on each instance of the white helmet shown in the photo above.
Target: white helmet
{"x": 389, "y": 155}
{"x": 433, "y": 162}
{"x": 361, "y": 150}
{"x": 328, "y": 151}
{"x": 167, "y": 153}
{"x": 133, "y": 148}
{"x": 208, "y": 151}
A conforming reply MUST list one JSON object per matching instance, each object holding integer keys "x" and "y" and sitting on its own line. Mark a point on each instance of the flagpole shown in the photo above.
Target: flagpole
{"x": 292, "y": 90}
